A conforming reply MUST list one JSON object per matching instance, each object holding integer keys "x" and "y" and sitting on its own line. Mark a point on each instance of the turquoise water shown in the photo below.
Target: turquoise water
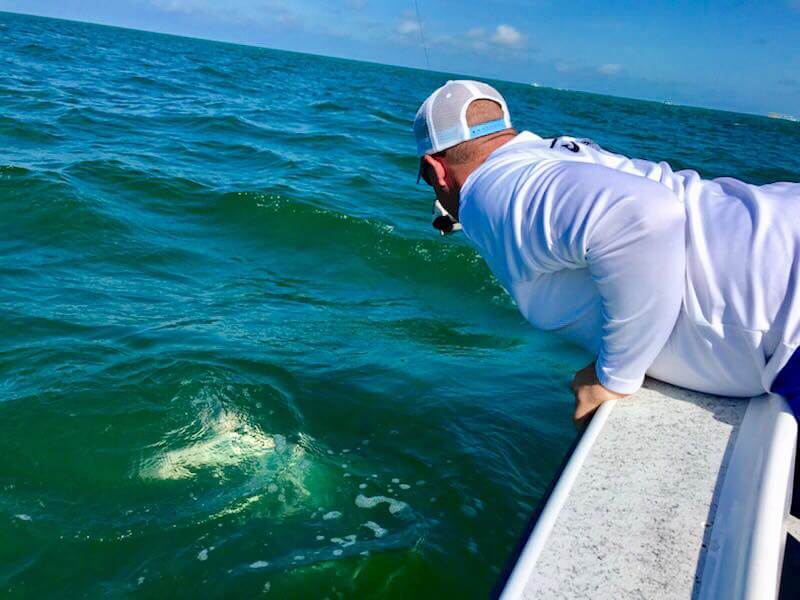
{"x": 236, "y": 358}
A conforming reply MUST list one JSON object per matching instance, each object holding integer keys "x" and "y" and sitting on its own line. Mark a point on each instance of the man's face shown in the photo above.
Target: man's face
{"x": 433, "y": 170}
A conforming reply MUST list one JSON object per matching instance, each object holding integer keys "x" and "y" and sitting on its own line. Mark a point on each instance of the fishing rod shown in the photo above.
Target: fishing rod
{"x": 422, "y": 34}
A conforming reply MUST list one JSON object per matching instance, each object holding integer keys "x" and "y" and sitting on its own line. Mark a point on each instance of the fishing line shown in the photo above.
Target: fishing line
{"x": 422, "y": 34}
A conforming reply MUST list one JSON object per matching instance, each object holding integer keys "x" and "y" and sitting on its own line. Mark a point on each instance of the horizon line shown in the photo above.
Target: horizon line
{"x": 768, "y": 115}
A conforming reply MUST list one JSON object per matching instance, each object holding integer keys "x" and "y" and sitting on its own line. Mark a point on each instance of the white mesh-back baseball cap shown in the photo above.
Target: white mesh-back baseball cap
{"x": 441, "y": 121}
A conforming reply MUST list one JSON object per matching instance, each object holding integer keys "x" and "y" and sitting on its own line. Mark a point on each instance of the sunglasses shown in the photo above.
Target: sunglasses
{"x": 424, "y": 172}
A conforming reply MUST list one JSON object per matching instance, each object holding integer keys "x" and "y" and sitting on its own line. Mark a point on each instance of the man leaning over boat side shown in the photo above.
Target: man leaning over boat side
{"x": 692, "y": 281}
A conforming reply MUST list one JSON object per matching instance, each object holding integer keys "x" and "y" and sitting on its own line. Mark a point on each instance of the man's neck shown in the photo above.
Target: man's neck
{"x": 460, "y": 173}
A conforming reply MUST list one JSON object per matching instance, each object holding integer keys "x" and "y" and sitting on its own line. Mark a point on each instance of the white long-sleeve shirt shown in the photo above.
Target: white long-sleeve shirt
{"x": 694, "y": 282}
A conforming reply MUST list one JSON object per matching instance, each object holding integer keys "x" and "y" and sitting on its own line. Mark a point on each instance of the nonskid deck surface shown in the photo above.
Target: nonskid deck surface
{"x": 639, "y": 517}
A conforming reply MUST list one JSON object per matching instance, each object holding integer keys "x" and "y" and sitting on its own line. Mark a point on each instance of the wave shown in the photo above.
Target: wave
{"x": 102, "y": 201}
{"x": 40, "y": 51}
{"x": 214, "y": 72}
{"x": 329, "y": 106}
{"x": 29, "y": 131}
{"x": 159, "y": 83}
{"x": 43, "y": 206}
{"x": 120, "y": 177}
{"x": 229, "y": 124}
{"x": 276, "y": 219}
{"x": 95, "y": 120}
{"x": 390, "y": 118}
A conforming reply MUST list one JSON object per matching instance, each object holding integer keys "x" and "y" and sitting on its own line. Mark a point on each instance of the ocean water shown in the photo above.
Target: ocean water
{"x": 236, "y": 359}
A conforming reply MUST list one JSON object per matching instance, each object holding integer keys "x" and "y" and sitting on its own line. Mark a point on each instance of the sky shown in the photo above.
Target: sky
{"x": 741, "y": 55}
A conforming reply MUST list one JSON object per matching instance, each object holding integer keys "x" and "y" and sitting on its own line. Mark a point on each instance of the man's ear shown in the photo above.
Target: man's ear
{"x": 438, "y": 170}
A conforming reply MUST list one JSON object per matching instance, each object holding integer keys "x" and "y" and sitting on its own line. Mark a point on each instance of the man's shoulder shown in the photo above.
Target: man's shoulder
{"x": 527, "y": 148}
{"x": 498, "y": 170}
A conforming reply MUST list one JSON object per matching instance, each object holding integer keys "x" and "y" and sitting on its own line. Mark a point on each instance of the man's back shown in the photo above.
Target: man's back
{"x": 541, "y": 218}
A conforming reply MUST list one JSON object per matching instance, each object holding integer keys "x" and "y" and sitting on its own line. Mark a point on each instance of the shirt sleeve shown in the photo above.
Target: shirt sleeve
{"x": 629, "y": 232}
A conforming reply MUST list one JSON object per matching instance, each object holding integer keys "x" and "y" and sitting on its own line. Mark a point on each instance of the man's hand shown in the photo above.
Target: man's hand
{"x": 589, "y": 394}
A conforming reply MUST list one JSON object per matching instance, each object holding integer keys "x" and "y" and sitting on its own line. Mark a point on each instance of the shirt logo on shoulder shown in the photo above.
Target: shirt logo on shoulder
{"x": 570, "y": 145}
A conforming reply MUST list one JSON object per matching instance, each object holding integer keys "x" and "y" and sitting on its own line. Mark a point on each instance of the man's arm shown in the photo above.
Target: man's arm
{"x": 629, "y": 232}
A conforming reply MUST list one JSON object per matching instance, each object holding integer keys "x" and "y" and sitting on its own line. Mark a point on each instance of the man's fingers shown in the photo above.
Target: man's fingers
{"x": 579, "y": 414}
{"x": 586, "y": 376}
{"x": 580, "y": 419}
{"x": 583, "y": 411}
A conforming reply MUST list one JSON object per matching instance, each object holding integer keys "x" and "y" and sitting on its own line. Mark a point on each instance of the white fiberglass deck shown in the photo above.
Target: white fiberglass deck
{"x": 669, "y": 494}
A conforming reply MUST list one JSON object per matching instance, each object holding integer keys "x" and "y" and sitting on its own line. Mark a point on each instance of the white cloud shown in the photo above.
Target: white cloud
{"x": 506, "y": 35}
{"x": 181, "y": 6}
{"x": 478, "y": 38}
{"x": 408, "y": 25}
{"x": 234, "y": 11}
{"x": 609, "y": 69}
